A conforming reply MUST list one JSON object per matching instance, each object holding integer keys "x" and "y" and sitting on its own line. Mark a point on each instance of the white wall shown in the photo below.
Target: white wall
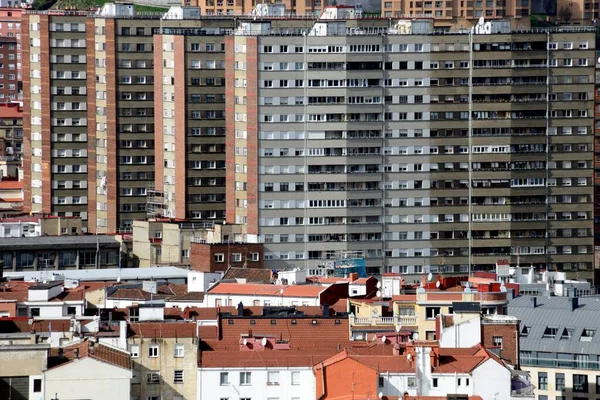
{"x": 465, "y": 334}
{"x": 390, "y": 285}
{"x": 55, "y": 309}
{"x": 396, "y": 384}
{"x": 200, "y": 281}
{"x": 112, "y": 303}
{"x": 210, "y": 300}
{"x": 87, "y": 379}
{"x": 496, "y": 388}
{"x": 209, "y": 387}
{"x": 357, "y": 290}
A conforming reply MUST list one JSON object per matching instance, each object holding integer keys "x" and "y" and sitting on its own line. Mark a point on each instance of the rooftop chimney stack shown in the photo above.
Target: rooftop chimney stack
{"x": 325, "y": 310}
{"x": 240, "y": 309}
{"x": 533, "y": 302}
{"x": 76, "y": 354}
{"x": 573, "y": 303}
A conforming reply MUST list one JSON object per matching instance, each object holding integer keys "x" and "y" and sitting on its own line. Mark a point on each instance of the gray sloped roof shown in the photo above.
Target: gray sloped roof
{"x": 556, "y": 312}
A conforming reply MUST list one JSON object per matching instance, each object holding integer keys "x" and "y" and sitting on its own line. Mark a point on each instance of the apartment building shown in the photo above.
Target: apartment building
{"x": 445, "y": 13}
{"x": 245, "y": 7}
{"x": 90, "y": 116}
{"x": 559, "y": 345}
{"x": 10, "y": 48}
{"x": 352, "y": 142}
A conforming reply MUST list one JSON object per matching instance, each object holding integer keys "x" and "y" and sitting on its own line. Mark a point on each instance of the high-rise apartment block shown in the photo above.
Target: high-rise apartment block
{"x": 378, "y": 145}
{"x": 445, "y": 12}
{"x": 10, "y": 54}
{"x": 323, "y": 138}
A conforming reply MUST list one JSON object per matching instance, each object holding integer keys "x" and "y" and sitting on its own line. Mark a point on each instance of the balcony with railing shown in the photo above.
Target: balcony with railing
{"x": 397, "y": 320}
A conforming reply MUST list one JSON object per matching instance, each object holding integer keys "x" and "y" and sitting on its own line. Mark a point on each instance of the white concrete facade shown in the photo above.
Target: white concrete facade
{"x": 297, "y": 383}
{"x": 233, "y": 299}
{"x": 88, "y": 379}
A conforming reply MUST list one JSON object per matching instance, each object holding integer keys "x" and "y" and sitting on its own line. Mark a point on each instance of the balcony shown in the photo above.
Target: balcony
{"x": 402, "y": 320}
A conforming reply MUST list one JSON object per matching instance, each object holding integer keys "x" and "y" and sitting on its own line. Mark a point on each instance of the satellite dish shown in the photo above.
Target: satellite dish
{"x": 429, "y": 277}
{"x": 398, "y": 327}
{"x": 502, "y": 288}
{"x": 245, "y": 342}
{"x": 281, "y": 291}
{"x": 378, "y": 285}
{"x": 438, "y": 284}
{"x": 599, "y": 59}
{"x": 409, "y": 356}
{"x": 264, "y": 342}
{"x": 383, "y": 339}
{"x": 378, "y": 293}
{"x": 381, "y": 395}
{"x": 416, "y": 336}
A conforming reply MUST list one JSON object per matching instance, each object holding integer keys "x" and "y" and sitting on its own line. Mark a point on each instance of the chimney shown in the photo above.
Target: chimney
{"x": 325, "y": 310}
{"x": 533, "y": 302}
{"x": 240, "y": 309}
{"x": 573, "y": 303}
{"x": 76, "y": 353}
{"x": 353, "y": 276}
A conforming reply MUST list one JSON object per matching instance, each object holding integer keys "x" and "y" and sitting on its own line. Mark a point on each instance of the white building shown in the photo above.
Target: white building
{"x": 257, "y": 382}
{"x": 88, "y": 371}
{"x": 231, "y": 294}
{"x": 51, "y": 300}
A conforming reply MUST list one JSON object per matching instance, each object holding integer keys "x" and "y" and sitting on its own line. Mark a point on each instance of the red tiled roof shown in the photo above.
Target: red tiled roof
{"x": 208, "y": 332}
{"x": 267, "y": 290}
{"x": 252, "y": 275}
{"x": 405, "y": 297}
{"x": 383, "y": 363}
{"x": 162, "y": 330}
{"x": 189, "y": 296}
{"x": 282, "y": 358}
{"x": 11, "y": 185}
{"x": 326, "y": 279}
{"x": 98, "y": 352}
{"x": 462, "y": 360}
{"x": 11, "y": 111}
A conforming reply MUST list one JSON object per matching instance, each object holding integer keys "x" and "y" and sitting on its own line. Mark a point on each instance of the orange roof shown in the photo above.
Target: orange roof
{"x": 383, "y": 363}
{"x": 11, "y": 185}
{"x": 462, "y": 360}
{"x": 9, "y": 111}
{"x": 254, "y": 289}
{"x": 162, "y": 329}
{"x": 11, "y": 199}
{"x": 98, "y": 352}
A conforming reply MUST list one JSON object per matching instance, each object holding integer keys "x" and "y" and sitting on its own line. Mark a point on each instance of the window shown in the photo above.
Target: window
{"x": 219, "y": 257}
{"x": 153, "y": 350}
{"x": 153, "y": 377}
{"x": 178, "y": 376}
{"x": 273, "y": 378}
{"x": 431, "y": 312}
{"x": 543, "y": 381}
{"x": 134, "y": 349}
{"x": 295, "y": 377}
{"x": 178, "y": 351}
{"x": 567, "y": 333}
{"x": 497, "y": 341}
{"x": 224, "y": 378}
{"x": 587, "y": 335}
{"x": 435, "y": 382}
{"x": 37, "y": 385}
{"x": 245, "y": 378}
{"x": 381, "y": 381}
{"x": 550, "y": 332}
{"x": 560, "y": 381}
{"x": 580, "y": 383}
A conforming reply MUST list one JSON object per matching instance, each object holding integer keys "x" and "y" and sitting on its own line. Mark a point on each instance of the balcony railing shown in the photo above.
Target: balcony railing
{"x": 410, "y": 320}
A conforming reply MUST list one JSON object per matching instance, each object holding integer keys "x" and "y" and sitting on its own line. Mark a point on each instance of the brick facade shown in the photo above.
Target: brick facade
{"x": 509, "y": 332}
{"x": 203, "y": 256}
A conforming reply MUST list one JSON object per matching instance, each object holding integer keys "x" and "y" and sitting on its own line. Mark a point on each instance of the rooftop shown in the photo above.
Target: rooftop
{"x": 99, "y": 352}
{"x": 252, "y": 275}
{"x": 11, "y": 185}
{"x": 70, "y": 242}
{"x": 156, "y": 330}
{"x": 267, "y": 290}
{"x": 108, "y": 274}
{"x": 553, "y": 326}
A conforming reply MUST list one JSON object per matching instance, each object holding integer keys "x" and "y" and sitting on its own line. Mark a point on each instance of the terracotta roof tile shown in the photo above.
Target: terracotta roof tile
{"x": 85, "y": 348}
{"x": 189, "y": 296}
{"x": 208, "y": 332}
{"x": 162, "y": 330}
{"x": 252, "y": 275}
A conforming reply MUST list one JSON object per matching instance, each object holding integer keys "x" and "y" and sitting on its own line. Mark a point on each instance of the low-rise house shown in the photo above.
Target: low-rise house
{"x": 40, "y": 300}
{"x": 88, "y": 370}
{"x": 165, "y": 359}
{"x": 231, "y": 294}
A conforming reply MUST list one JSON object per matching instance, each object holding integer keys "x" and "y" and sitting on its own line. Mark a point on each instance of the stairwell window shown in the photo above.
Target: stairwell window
{"x": 153, "y": 351}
